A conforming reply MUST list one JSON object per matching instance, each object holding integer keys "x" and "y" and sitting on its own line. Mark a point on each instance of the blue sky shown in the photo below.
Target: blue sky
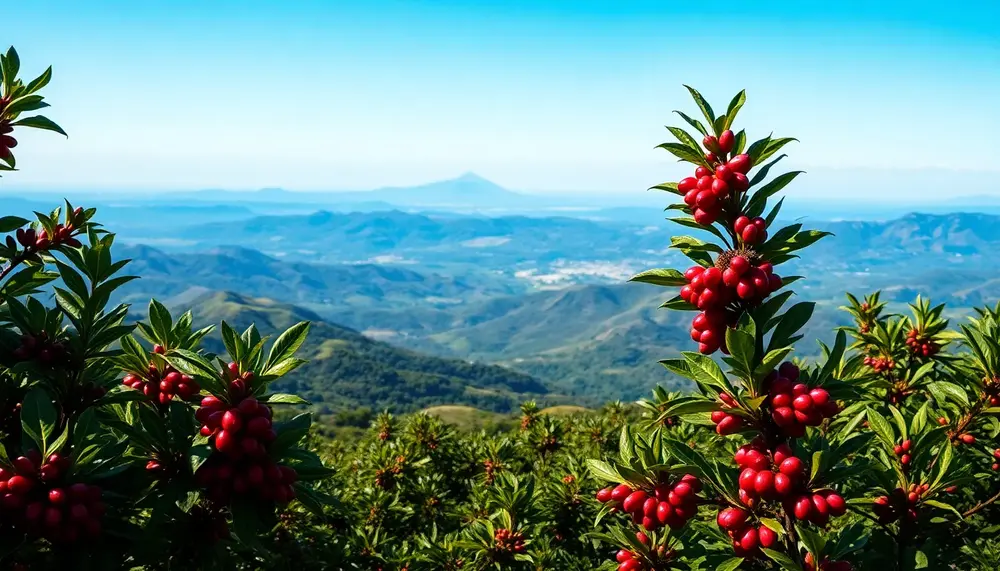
{"x": 554, "y": 96}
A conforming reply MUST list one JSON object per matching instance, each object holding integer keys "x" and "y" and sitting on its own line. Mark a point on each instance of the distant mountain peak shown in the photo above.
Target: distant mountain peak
{"x": 471, "y": 177}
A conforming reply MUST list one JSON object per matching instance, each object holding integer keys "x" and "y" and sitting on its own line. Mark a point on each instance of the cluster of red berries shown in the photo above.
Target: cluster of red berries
{"x": 237, "y": 430}
{"x": 880, "y": 364}
{"x": 726, "y": 423}
{"x": 508, "y": 541}
{"x": 385, "y": 478}
{"x": 706, "y": 192}
{"x": 782, "y": 477}
{"x": 996, "y": 465}
{"x": 42, "y": 240}
{"x": 827, "y": 565}
{"x": 631, "y": 561}
{"x": 6, "y": 141}
{"x": 921, "y": 346}
{"x": 905, "y": 452}
{"x": 224, "y": 477}
{"x": 795, "y": 405}
{"x": 59, "y": 514}
{"x": 900, "y": 504}
{"x": 39, "y": 347}
{"x": 161, "y": 386}
{"x": 669, "y": 504}
{"x": 747, "y": 538}
{"x": 712, "y": 289}
{"x": 750, "y": 230}
{"x": 490, "y": 470}
{"x": 628, "y": 561}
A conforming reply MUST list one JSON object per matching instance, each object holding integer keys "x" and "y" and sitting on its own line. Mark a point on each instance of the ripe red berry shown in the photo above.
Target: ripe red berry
{"x": 232, "y": 421}
{"x": 249, "y": 407}
{"x": 749, "y": 540}
{"x": 687, "y": 184}
{"x": 764, "y": 483}
{"x": 620, "y": 492}
{"x": 739, "y": 264}
{"x": 57, "y": 496}
{"x": 711, "y": 277}
{"x": 604, "y": 495}
{"x": 711, "y": 143}
{"x": 745, "y": 289}
{"x": 731, "y": 519}
{"x": 803, "y": 403}
{"x": 19, "y": 485}
{"x": 726, "y": 141}
{"x": 792, "y": 467}
{"x": 803, "y": 508}
{"x": 24, "y": 466}
{"x": 836, "y": 503}
{"x": 729, "y": 425}
{"x": 767, "y": 537}
{"x": 702, "y": 172}
{"x": 634, "y": 502}
{"x": 740, "y": 163}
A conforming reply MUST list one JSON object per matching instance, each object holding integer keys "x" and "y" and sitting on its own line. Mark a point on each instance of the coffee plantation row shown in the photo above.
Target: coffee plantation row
{"x": 128, "y": 446}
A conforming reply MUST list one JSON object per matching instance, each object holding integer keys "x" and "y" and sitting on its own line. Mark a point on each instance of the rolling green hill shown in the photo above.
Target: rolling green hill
{"x": 347, "y": 369}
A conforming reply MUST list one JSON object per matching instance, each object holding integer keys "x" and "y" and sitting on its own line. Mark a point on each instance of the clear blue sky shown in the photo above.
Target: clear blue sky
{"x": 535, "y": 95}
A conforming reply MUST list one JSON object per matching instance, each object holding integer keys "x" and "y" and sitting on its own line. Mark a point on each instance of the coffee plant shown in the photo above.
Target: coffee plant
{"x": 874, "y": 455}
{"x": 126, "y": 445}
{"x": 130, "y": 445}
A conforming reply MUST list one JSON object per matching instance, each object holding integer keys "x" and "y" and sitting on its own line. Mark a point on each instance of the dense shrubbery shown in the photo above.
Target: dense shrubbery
{"x": 129, "y": 446}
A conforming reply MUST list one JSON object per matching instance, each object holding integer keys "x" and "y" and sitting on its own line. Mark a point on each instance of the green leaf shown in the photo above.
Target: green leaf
{"x": 882, "y": 428}
{"x": 943, "y": 506}
{"x": 734, "y": 107}
{"x": 759, "y": 199}
{"x": 706, "y": 109}
{"x": 40, "y": 122}
{"x": 604, "y": 471}
{"x": 730, "y": 564}
{"x": 684, "y": 153}
{"x": 813, "y": 542}
{"x": 666, "y": 277}
{"x": 38, "y": 418}
{"x": 790, "y": 323}
{"x": 684, "y": 138}
{"x": 740, "y": 342}
{"x": 290, "y": 433}
{"x": 39, "y": 82}
{"x": 944, "y": 463}
{"x": 693, "y": 122}
{"x": 773, "y": 524}
{"x": 708, "y": 371}
{"x": 282, "y": 398}
{"x": 11, "y": 223}
{"x": 773, "y": 146}
{"x": 160, "y": 320}
{"x": 287, "y": 343}
{"x": 782, "y": 560}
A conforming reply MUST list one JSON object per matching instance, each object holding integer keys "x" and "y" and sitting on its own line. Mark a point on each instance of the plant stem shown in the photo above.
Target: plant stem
{"x": 982, "y": 505}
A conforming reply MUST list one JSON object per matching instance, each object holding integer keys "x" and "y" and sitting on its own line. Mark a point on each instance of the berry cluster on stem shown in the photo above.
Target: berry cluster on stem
{"x": 669, "y": 504}
{"x": 36, "y": 497}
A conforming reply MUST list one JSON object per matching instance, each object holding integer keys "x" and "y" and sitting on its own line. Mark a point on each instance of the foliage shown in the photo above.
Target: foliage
{"x": 149, "y": 445}
{"x": 892, "y": 422}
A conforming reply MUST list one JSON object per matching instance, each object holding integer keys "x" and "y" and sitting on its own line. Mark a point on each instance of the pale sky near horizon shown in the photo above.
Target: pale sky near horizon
{"x": 543, "y": 95}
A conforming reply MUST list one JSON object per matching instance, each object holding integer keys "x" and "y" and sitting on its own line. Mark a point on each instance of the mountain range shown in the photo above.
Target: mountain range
{"x": 348, "y": 370}
{"x": 599, "y": 338}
